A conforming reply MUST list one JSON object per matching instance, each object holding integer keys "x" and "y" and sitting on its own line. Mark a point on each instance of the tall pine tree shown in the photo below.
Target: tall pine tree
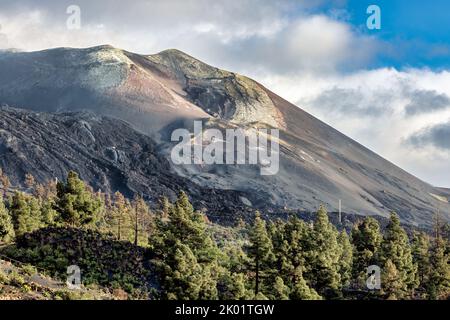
{"x": 6, "y": 225}
{"x": 291, "y": 242}
{"x": 182, "y": 274}
{"x": 142, "y": 221}
{"x": 25, "y": 213}
{"x": 182, "y": 241}
{"x": 120, "y": 217}
{"x": 438, "y": 286}
{"x": 280, "y": 291}
{"x": 232, "y": 286}
{"x": 260, "y": 251}
{"x": 392, "y": 284}
{"x": 323, "y": 257}
{"x": 420, "y": 247}
{"x": 301, "y": 290}
{"x": 346, "y": 259}
{"x": 366, "y": 240}
{"x": 77, "y": 205}
{"x": 396, "y": 248}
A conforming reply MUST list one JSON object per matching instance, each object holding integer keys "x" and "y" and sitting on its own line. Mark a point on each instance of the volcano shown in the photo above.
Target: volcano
{"x": 149, "y": 96}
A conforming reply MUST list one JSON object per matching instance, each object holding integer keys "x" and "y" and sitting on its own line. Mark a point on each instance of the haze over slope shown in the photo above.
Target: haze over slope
{"x": 158, "y": 93}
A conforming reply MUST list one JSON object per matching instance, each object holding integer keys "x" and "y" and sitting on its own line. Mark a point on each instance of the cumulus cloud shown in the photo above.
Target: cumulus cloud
{"x": 437, "y": 136}
{"x": 244, "y": 35}
{"x": 308, "y": 44}
{"x": 142, "y": 24}
{"x": 425, "y": 101}
{"x": 353, "y": 102}
{"x": 373, "y": 107}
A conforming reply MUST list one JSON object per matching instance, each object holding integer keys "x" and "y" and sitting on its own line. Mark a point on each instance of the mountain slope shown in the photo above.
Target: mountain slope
{"x": 107, "y": 152}
{"x": 161, "y": 92}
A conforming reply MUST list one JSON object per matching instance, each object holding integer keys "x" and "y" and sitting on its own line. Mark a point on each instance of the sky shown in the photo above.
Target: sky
{"x": 387, "y": 88}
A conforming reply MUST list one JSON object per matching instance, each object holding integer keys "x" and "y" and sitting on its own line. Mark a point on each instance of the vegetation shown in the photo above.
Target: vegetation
{"x": 174, "y": 252}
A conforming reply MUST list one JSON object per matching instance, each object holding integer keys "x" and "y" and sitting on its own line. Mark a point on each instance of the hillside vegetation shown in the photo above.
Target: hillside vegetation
{"x": 126, "y": 250}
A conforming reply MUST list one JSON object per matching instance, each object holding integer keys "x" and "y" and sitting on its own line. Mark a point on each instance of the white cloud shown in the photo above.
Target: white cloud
{"x": 140, "y": 25}
{"x": 318, "y": 42}
{"x": 371, "y": 107}
{"x": 313, "y": 60}
{"x": 244, "y": 35}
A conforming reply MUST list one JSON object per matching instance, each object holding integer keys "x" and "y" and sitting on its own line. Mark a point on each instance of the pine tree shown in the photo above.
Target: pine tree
{"x": 392, "y": 284}
{"x": 124, "y": 221}
{"x": 48, "y": 213}
{"x": 301, "y": 290}
{"x": 233, "y": 257}
{"x": 259, "y": 297}
{"x": 346, "y": 259}
{"x": 142, "y": 221}
{"x": 30, "y": 182}
{"x": 283, "y": 248}
{"x": 232, "y": 286}
{"x": 6, "y": 225}
{"x": 186, "y": 226}
{"x": 25, "y": 213}
{"x": 323, "y": 257}
{"x": 291, "y": 247}
{"x": 366, "y": 241}
{"x": 120, "y": 217}
{"x": 420, "y": 247}
{"x": 259, "y": 250}
{"x": 4, "y": 181}
{"x": 280, "y": 290}
{"x": 184, "y": 278}
{"x": 182, "y": 274}
{"x": 396, "y": 247}
{"x": 164, "y": 209}
{"x": 296, "y": 246}
{"x": 208, "y": 288}
{"x": 76, "y": 204}
{"x": 438, "y": 285}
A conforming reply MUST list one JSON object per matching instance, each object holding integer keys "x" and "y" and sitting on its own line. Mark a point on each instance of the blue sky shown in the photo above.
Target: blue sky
{"x": 387, "y": 89}
{"x": 418, "y": 31}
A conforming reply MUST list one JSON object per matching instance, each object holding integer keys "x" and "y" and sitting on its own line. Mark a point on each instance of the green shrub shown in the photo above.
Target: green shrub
{"x": 102, "y": 259}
